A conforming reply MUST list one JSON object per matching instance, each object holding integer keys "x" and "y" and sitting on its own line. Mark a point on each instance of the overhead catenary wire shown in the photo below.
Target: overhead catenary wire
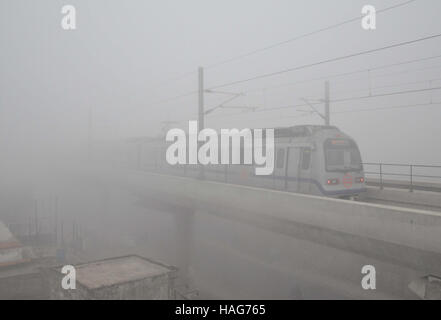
{"x": 349, "y": 73}
{"x": 308, "y": 114}
{"x": 296, "y": 106}
{"x": 190, "y": 93}
{"x": 302, "y": 36}
{"x": 391, "y": 85}
{"x": 318, "y": 63}
{"x": 412, "y": 105}
{"x": 337, "y": 75}
{"x": 386, "y": 94}
{"x": 280, "y": 43}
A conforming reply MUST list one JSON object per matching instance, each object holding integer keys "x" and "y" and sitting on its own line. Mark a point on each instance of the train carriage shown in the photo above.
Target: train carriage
{"x": 309, "y": 159}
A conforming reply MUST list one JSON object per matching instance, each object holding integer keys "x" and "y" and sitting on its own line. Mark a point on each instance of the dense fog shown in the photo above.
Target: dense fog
{"x": 75, "y": 103}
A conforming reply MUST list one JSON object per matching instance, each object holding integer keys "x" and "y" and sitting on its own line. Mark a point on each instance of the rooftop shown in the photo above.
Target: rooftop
{"x": 5, "y": 234}
{"x": 11, "y": 250}
{"x": 119, "y": 270}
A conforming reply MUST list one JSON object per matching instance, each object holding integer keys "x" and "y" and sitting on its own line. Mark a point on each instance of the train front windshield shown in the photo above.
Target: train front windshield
{"x": 342, "y": 155}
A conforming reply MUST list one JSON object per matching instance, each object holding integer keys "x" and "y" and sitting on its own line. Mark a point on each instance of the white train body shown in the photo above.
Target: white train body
{"x": 318, "y": 160}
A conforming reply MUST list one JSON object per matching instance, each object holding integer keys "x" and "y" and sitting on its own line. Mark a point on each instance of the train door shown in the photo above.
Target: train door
{"x": 305, "y": 171}
{"x": 279, "y": 170}
{"x": 293, "y": 169}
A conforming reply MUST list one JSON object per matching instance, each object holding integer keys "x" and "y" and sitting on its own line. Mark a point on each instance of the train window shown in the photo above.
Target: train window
{"x": 306, "y": 159}
{"x": 342, "y": 155}
{"x": 280, "y": 159}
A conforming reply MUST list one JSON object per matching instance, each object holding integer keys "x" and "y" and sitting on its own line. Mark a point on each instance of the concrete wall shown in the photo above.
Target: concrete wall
{"x": 408, "y": 237}
{"x": 23, "y": 286}
{"x": 154, "y": 288}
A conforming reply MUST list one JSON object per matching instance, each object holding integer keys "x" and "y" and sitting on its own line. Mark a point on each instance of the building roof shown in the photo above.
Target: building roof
{"x": 5, "y": 234}
{"x": 7, "y": 239}
{"x": 114, "y": 271}
{"x": 11, "y": 250}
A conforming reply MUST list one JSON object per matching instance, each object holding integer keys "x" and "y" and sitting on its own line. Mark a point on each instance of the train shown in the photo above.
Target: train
{"x": 309, "y": 159}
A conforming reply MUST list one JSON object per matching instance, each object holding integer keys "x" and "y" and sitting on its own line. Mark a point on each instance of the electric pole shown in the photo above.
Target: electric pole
{"x": 201, "y": 124}
{"x": 327, "y": 114}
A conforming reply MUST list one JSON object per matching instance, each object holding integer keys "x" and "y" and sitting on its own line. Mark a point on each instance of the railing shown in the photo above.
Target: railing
{"x": 409, "y": 176}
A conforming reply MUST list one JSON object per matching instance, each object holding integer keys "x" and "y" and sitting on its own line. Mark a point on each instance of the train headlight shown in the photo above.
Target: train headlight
{"x": 332, "y": 182}
{"x": 359, "y": 180}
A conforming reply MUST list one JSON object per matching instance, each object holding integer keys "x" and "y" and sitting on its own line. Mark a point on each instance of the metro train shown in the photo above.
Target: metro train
{"x": 309, "y": 159}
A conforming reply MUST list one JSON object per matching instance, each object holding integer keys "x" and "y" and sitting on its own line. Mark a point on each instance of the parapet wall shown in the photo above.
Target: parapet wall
{"x": 403, "y": 236}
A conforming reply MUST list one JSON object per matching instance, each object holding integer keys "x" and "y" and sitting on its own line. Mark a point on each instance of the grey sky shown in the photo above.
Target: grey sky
{"x": 122, "y": 50}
